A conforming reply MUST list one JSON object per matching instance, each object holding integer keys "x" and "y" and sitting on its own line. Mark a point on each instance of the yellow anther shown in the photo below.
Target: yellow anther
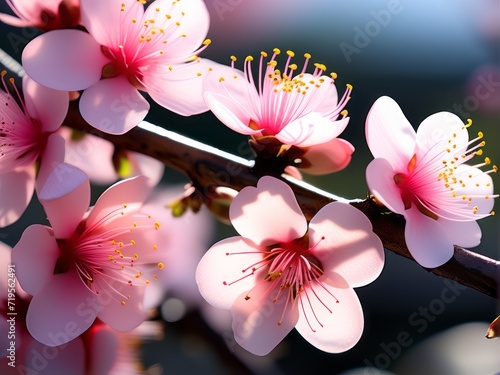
{"x": 487, "y": 160}
{"x": 307, "y": 55}
{"x": 480, "y": 134}
{"x": 157, "y": 225}
{"x": 161, "y": 265}
{"x": 349, "y": 86}
{"x": 344, "y": 112}
{"x": 293, "y": 66}
{"x": 290, "y": 53}
{"x": 469, "y": 123}
{"x": 233, "y": 58}
{"x": 333, "y": 75}
{"x": 207, "y": 42}
{"x": 479, "y": 152}
{"x": 276, "y": 51}
{"x": 249, "y": 58}
{"x": 123, "y": 303}
{"x": 221, "y": 79}
{"x": 495, "y": 169}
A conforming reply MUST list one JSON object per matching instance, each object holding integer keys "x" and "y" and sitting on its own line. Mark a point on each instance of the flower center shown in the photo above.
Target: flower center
{"x": 439, "y": 186}
{"x": 143, "y": 41}
{"x": 107, "y": 255}
{"x": 293, "y": 272}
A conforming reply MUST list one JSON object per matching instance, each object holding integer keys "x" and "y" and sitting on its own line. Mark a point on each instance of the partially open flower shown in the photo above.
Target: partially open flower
{"x": 285, "y": 111}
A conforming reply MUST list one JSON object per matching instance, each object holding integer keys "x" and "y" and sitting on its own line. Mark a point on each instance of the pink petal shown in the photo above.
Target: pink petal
{"x": 46, "y": 105}
{"x": 107, "y": 23}
{"x": 193, "y": 20}
{"x": 16, "y": 191}
{"x": 259, "y": 323}
{"x": 104, "y": 350}
{"x": 461, "y": 233}
{"x": 328, "y": 157}
{"x": 311, "y": 129}
{"x": 124, "y": 317}
{"x": 14, "y": 21}
{"x": 62, "y": 360}
{"x": 268, "y": 213}
{"x": 67, "y": 60}
{"x": 217, "y": 267}
{"x": 428, "y": 243}
{"x": 91, "y": 154}
{"x": 52, "y": 157}
{"x": 179, "y": 90}
{"x": 389, "y": 134}
{"x": 232, "y": 100}
{"x": 113, "y": 105}
{"x": 131, "y": 192}
{"x": 53, "y": 320}
{"x": 146, "y": 166}
{"x": 342, "y": 239}
{"x": 65, "y": 198}
{"x": 341, "y": 327}
{"x": 380, "y": 180}
{"x": 35, "y": 257}
{"x": 439, "y": 128}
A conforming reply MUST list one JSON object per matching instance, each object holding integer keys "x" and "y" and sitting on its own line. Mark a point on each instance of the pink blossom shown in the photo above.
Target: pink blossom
{"x": 422, "y": 176}
{"x": 26, "y": 137}
{"x": 298, "y": 109}
{"x": 281, "y": 273}
{"x": 43, "y": 14}
{"x": 127, "y": 48}
{"x": 100, "y": 260}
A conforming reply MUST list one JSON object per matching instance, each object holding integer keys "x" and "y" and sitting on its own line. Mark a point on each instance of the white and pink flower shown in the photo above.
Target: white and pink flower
{"x": 282, "y": 273}
{"x": 127, "y": 48}
{"x": 26, "y": 138}
{"x": 297, "y": 108}
{"x": 89, "y": 264}
{"x": 422, "y": 176}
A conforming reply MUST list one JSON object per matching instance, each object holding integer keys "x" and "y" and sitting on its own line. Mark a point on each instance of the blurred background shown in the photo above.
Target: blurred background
{"x": 429, "y": 56}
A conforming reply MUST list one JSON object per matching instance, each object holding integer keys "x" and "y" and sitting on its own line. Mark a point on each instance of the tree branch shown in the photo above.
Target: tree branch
{"x": 208, "y": 167}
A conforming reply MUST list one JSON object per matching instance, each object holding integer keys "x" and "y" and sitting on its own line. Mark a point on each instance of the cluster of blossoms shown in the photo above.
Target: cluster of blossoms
{"x": 282, "y": 271}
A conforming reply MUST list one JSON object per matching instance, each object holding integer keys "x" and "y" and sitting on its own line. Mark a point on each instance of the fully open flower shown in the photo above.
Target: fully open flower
{"x": 280, "y": 274}
{"x": 100, "y": 261}
{"x": 297, "y": 108}
{"x": 26, "y": 137}
{"x": 43, "y": 14}
{"x": 422, "y": 176}
{"x": 128, "y": 48}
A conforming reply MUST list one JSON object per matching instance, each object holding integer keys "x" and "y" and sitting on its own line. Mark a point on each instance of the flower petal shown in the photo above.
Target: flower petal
{"x": 259, "y": 323}
{"x": 52, "y": 157}
{"x": 104, "y": 349}
{"x": 105, "y": 20}
{"x": 16, "y": 191}
{"x": 231, "y": 98}
{"x": 343, "y": 240}
{"x": 461, "y": 233}
{"x": 189, "y": 34}
{"x": 67, "y": 60}
{"x": 311, "y": 129}
{"x": 179, "y": 90}
{"x": 131, "y": 192}
{"x": 62, "y": 360}
{"x": 328, "y": 157}
{"x": 113, "y": 105}
{"x": 389, "y": 134}
{"x": 428, "y": 243}
{"x": 124, "y": 317}
{"x": 440, "y": 128}
{"x": 146, "y": 166}
{"x": 380, "y": 180}
{"x": 337, "y": 328}
{"x": 221, "y": 273}
{"x": 35, "y": 257}
{"x": 268, "y": 213}
{"x": 46, "y": 105}
{"x": 65, "y": 198}
{"x": 53, "y": 320}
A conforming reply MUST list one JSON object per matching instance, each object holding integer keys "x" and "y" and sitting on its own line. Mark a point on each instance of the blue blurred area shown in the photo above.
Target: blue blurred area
{"x": 424, "y": 54}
